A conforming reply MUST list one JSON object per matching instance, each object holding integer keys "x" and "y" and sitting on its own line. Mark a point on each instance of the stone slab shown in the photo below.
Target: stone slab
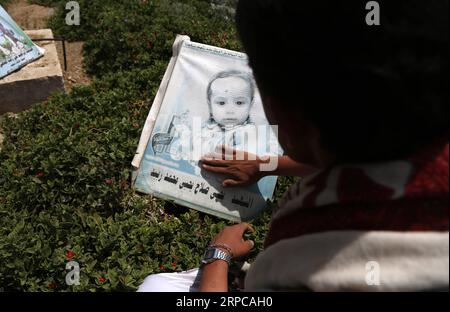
{"x": 35, "y": 82}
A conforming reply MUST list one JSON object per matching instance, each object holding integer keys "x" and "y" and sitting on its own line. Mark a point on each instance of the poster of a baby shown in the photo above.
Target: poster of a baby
{"x": 230, "y": 96}
{"x": 207, "y": 100}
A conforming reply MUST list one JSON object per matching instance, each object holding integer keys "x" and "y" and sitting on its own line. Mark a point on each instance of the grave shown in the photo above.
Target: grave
{"x": 35, "y": 82}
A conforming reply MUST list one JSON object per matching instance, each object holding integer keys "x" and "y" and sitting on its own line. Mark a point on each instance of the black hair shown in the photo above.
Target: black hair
{"x": 374, "y": 92}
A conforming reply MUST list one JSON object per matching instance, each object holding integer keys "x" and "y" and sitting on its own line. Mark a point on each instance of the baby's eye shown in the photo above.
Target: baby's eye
{"x": 221, "y": 103}
{"x": 240, "y": 103}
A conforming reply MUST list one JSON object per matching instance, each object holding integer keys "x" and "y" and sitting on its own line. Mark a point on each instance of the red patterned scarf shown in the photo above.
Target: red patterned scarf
{"x": 408, "y": 195}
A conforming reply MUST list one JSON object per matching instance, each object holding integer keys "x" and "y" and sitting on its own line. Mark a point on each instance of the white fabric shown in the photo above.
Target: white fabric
{"x": 337, "y": 261}
{"x": 188, "y": 281}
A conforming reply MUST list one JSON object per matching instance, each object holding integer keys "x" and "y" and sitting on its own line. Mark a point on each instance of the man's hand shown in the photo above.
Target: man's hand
{"x": 215, "y": 274}
{"x": 242, "y": 170}
{"x": 232, "y": 236}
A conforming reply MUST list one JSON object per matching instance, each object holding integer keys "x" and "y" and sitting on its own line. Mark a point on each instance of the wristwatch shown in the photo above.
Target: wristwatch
{"x": 213, "y": 254}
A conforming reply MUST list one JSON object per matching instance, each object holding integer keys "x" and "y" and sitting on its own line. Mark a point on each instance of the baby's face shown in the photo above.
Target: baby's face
{"x": 231, "y": 101}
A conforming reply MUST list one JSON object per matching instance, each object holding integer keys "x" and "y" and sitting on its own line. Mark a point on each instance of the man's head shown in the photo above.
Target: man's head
{"x": 338, "y": 87}
{"x": 230, "y": 98}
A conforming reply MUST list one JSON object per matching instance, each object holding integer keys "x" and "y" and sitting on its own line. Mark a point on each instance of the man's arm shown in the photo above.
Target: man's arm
{"x": 215, "y": 277}
{"x": 290, "y": 168}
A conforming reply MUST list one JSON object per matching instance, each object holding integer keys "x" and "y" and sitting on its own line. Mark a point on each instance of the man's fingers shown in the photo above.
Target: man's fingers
{"x": 250, "y": 244}
{"x": 215, "y": 162}
{"x": 214, "y": 169}
{"x": 231, "y": 183}
{"x": 244, "y": 227}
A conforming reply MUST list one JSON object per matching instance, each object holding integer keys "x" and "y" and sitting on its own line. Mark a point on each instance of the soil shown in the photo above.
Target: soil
{"x": 32, "y": 16}
{"x": 29, "y": 16}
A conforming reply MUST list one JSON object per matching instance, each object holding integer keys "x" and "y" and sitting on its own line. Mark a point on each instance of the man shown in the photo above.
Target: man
{"x": 367, "y": 106}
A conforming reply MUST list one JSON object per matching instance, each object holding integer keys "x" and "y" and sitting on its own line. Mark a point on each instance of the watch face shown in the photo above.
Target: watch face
{"x": 208, "y": 257}
{"x": 209, "y": 253}
{"x": 214, "y": 254}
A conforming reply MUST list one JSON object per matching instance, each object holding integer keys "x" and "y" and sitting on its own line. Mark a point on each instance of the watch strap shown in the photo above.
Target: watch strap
{"x": 213, "y": 254}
